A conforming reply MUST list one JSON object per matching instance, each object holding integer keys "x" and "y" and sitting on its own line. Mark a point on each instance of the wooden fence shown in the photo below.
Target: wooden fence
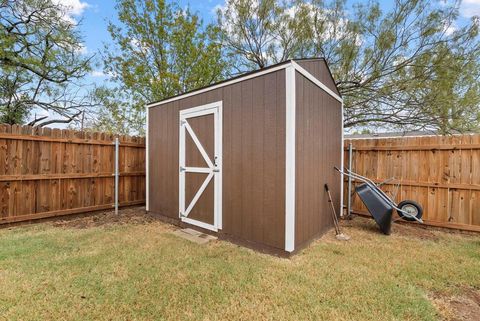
{"x": 442, "y": 173}
{"x": 50, "y": 172}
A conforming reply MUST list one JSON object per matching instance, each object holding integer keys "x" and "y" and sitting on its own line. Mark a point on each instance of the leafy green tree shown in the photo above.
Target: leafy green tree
{"x": 116, "y": 115}
{"x": 40, "y": 63}
{"x": 453, "y": 96}
{"x": 410, "y": 67}
{"x": 258, "y": 33}
{"x": 159, "y": 50}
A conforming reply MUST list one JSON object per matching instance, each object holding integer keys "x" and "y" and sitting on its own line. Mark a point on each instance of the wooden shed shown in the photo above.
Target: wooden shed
{"x": 247, "y": 158}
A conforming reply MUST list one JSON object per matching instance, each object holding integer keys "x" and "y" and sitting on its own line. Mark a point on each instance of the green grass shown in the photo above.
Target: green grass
{"x": 143, "y": 272}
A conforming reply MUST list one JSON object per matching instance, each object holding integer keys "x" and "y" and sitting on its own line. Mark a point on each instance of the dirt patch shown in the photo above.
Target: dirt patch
{"x": 398, "y": 229}
{"x": 416, "y": 231}
{"x": 131, "y": 215}
{"x": 461, "y": 307}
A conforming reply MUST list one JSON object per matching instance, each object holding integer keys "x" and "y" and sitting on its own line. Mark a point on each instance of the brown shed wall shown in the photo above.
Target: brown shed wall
{"x": 319, "y": 69}
{"x": 253, "y": 157}
{"x": 318, "y": 149}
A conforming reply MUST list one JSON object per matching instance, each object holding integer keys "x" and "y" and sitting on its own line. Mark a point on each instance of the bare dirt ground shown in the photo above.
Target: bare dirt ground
{"x": 462, "y": 307}
{"x": 131, "y": 215}
{"x": 398, "y": 229}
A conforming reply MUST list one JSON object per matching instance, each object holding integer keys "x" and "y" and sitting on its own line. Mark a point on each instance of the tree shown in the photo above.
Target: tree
{"x": 40, "y": 63}
{"x": 258, "y": 33}
{"x": 392, "y": 68}
{"x": 453, "y": 94}
{"x": 116, "y": 115}
{"x": 159, "y": 51}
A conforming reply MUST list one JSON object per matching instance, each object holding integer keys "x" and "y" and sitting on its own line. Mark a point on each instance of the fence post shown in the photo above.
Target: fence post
{"x": 349, "y": 190}
{"x": 117, "y": 145}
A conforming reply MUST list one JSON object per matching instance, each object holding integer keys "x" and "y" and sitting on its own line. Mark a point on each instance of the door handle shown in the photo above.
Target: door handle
{"x": 216, "y": 170}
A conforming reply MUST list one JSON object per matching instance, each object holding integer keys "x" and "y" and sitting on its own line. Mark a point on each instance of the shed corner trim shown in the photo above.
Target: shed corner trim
{"x": 342, "y": 160}
{"x": 290, "y": 158}
{"x": 147, "y": 179}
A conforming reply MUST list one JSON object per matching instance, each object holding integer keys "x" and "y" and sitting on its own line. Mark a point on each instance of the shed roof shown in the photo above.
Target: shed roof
{"x": 245, "y": 76}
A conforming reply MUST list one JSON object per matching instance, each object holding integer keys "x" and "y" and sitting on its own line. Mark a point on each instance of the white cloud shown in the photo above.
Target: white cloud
{"x": 97, "y": 73}
{"x": 470, "y": 8}
{"x": 73, "y": 8}
{"x": 76, "y": 7}
{"x": 82, "y": 49}
{"x": 450, "y": 29}
{"x": 217, "y": 7}
{"x": 138, "y": 45}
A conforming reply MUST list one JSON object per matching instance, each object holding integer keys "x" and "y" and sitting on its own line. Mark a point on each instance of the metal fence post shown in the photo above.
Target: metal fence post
{"x": 349, "y": 190}
{"x": 117, "y": 145}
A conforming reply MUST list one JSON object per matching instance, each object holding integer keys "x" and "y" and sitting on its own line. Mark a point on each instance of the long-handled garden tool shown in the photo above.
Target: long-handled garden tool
{"x": 338, "y": 233}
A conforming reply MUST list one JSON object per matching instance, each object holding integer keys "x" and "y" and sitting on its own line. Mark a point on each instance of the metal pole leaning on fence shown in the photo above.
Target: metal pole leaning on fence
{"x": 117, "y": 146}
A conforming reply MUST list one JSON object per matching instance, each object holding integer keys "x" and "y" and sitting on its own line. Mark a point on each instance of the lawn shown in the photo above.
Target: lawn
{"x": 133, "y": 268}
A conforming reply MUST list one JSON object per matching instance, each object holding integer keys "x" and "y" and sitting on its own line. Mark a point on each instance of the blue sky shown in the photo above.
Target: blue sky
{"x": 94, "y": 15}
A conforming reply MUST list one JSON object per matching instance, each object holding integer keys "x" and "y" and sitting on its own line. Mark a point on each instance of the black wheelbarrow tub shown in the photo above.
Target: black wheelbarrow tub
{"x": 378, "y": 207}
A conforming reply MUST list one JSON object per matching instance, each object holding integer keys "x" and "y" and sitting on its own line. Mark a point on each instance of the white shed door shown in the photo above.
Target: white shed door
{"x": 200, "y": 166}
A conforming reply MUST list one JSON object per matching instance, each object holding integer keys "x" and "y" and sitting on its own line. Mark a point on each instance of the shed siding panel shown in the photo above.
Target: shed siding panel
{"x": 257, "y": 160}
{"x": 318, "y": 150}
{"x": 272, "y": 195}
{"x": 319, "y": 69}
{"x": 253, "y": 157}
{"x": 234, "y": 191}
{"x": 247, "y": 168}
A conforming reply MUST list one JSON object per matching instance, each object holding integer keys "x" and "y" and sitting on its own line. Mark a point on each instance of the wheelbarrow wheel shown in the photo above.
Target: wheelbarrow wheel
{"x": 411, "y": 207}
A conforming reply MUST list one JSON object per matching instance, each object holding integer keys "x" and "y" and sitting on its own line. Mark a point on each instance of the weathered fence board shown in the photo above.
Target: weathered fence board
{"x": 440, "y": 172}
{"x": 50, "y": 172}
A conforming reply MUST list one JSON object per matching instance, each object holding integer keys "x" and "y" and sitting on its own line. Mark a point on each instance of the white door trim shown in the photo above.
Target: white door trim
{"x": 204, "y": 170}
{"x": 213, "y": 168}
{"x": 197, "y": 142}
{"x": 198, "y": 194}
{"x": 200, "y": 110}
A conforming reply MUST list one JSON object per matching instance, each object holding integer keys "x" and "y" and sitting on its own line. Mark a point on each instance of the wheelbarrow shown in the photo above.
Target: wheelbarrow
{"x": 380, "y": 205}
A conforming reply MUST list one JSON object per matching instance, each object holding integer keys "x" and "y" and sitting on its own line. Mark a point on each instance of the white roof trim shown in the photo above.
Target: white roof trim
{"x": 250, "y": 76}
{"x": 223, "y": 84}
{"x": 317, "y": 82}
